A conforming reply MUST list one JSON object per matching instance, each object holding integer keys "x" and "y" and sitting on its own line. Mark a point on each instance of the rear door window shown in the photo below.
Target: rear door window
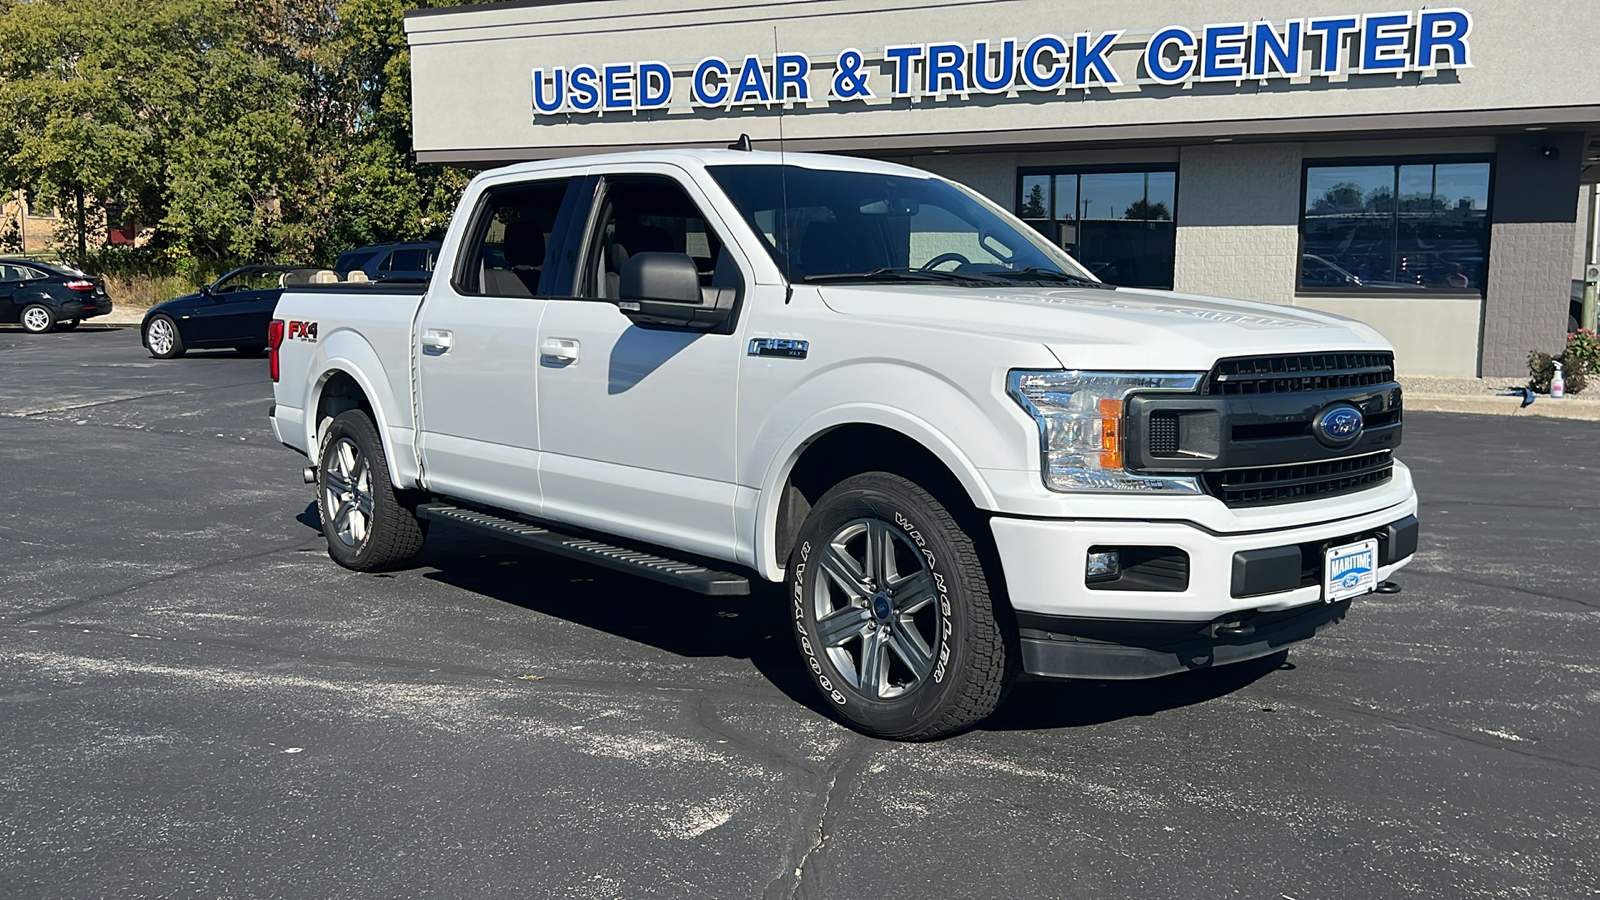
{"x": 510, "y": 251}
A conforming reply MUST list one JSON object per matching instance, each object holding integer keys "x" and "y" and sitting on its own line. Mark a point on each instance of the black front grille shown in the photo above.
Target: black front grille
{"x": 1300, "y": 372}
{"x": 1300, "y": 481}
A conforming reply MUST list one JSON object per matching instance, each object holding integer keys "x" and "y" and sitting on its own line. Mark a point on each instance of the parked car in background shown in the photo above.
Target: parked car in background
{"x": 232, "y": 311}
{"x": 412, "y": 261}
{"x": 46, "y": 297}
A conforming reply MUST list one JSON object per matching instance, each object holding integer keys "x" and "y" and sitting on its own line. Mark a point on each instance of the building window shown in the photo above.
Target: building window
{"x": 1117, "y": 222}
{"x": 1395, "y": 227}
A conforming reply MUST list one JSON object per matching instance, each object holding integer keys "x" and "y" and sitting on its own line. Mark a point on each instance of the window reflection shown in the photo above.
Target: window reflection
{"x": 1119, "y": 224}
{"x": 1401, "y": 227}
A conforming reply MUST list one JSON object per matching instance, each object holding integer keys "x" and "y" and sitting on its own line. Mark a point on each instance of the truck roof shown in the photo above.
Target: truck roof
{"x": 693, "y": 157}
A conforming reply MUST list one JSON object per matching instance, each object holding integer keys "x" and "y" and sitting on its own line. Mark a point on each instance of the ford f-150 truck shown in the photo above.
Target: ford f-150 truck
{"x": 963, "y": 456}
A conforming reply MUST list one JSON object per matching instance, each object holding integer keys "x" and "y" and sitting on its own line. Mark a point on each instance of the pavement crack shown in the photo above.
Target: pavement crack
{"x": 807, "y": 882}
{"x": 129, "y": 588}
{"x": 712, "y": 723}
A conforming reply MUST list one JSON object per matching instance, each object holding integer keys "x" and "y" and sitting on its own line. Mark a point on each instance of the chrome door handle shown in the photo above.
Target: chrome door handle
{"x": 436, "y": 342}
{"x": 559, "y": 348}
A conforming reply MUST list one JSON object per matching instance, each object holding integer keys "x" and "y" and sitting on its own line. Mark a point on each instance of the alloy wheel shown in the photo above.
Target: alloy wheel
{"x": 36, "y": 319}
{"x": 347, "y": 492}
{"x": 876, "y": 616}
{"x": 159, "y": 336}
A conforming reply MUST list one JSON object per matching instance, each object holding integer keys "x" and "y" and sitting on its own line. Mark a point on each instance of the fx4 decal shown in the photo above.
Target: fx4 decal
{"x": 303, "y": 331}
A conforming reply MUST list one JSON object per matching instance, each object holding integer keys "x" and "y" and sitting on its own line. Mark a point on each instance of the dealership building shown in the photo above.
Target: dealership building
{"x": 1430, "y": 171}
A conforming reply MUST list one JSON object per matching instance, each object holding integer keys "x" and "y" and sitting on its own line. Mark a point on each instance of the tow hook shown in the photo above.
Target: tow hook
{"x": 1237, "y": 628}
{"x": 1388, "y": 587}
{"x": 309, "y": 474}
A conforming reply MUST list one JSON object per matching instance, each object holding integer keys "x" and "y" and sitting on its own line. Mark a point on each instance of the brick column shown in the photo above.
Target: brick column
{"x": 1535, "y": 212}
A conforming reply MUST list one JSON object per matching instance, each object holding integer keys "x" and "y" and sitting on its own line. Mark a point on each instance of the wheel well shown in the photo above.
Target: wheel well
{"x": 850, "y": 450}
{"x": 340, "y": 393}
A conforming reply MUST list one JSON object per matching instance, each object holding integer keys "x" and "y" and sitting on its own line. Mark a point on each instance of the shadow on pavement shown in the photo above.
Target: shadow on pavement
{"x": 1039, "y": 704}
{"x": 756, "y": 628}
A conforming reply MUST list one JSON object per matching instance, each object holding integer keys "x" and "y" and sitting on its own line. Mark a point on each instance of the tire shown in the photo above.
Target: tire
{"x": 36, "y": 318}
{"x": 367, "y": 525}
{"x": 945, "y": 652}
{"x": 68, "y": 325}
{"x": 162, "y": 339}
{"x": 251, "y": 351}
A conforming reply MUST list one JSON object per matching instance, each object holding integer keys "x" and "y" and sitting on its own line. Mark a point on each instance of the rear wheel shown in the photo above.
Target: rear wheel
{"x": 68, "y": 325}
{"x": 162, "y": 338}
{"x": 38, "y": 319}
{"x": 367, "y": 526}
{"x": 894, "y": 614}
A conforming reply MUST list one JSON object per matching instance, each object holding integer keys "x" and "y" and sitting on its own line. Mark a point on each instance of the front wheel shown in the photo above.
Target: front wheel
{"x": 38, "y": 319}
{"x": 894, "y": 613}
{"x": 367, "y": 527}
{"x": 162, "y": 338}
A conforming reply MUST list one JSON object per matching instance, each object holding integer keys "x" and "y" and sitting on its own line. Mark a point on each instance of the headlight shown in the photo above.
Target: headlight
{"x": 1081, "y": 427}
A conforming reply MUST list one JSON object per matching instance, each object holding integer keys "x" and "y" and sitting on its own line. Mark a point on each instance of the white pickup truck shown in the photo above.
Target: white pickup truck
{"x": 963, "y": 455}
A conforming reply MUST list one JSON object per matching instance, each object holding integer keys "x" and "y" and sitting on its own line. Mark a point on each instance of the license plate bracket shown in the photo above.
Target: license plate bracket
{"x": 1349, "y": 570}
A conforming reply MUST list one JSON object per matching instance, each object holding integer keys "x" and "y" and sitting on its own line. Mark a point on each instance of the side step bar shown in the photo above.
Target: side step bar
{"x": 688, "y": 576}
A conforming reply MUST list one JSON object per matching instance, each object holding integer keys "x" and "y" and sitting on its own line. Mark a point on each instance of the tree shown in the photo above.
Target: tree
{"x": 81, "y": 90}
{"x": 1346, "y": 196}
{"x": 1142, "y": 209}
{"x": 1033, "y": 207}
{"x": 243, "y": 129}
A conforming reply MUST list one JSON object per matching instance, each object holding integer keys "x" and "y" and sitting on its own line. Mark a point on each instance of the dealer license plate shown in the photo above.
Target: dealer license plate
{"x": 1350, "y": 571}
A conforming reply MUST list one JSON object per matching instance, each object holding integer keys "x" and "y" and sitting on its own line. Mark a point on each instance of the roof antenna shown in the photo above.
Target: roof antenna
{"x": 743, "y": 143}
{"x": 783, "y": 173}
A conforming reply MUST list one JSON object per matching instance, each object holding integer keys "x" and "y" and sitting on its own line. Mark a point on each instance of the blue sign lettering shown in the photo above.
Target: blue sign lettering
{"x": 1429, "y": 40}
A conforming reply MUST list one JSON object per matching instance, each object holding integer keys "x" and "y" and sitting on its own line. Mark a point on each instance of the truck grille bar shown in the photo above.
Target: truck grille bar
{"x": 1300, "y": 372}
{"x": 1303, "y": 481}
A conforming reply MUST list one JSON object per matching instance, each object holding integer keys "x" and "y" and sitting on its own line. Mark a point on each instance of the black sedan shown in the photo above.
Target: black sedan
{"x": 46, "y": 297}
{"x": 232, "y": 311}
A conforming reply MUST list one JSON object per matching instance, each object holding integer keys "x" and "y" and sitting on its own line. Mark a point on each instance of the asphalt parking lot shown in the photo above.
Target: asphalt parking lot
{"x": 197, "y": 702}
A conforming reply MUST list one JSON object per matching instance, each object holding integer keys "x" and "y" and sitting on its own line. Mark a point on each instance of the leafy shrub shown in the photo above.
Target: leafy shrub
{"x": 1541, "y": 365}
{"x": 1583, "y": 344}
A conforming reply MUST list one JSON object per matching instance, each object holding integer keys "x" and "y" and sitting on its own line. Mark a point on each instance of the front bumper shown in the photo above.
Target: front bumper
{"x": 1043, "y": 561}
{"x": 1242, "y": 595}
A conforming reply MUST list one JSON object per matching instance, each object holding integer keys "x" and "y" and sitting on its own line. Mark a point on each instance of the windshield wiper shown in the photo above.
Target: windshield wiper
{"x": 903, "y": 273}
{"x": 1034, "y": 273}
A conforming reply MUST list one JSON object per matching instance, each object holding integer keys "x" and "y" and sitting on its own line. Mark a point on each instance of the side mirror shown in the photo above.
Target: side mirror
{"x": 664, "y": 289}
{"x": 206, "y": 291}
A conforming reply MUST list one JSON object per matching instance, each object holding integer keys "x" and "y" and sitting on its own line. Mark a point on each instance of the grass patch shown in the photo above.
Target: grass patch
{"x": 145, "y": 291}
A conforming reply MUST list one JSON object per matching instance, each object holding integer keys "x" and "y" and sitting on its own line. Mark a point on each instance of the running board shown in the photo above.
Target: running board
{"x": 688, "y": 576}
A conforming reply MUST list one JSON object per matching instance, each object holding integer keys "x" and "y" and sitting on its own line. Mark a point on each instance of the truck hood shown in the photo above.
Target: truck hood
{"x": 1089, "y": 328}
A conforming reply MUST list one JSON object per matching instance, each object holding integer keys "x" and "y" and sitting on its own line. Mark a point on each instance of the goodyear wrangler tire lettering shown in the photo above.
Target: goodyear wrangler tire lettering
{"x": 894, "y": 613}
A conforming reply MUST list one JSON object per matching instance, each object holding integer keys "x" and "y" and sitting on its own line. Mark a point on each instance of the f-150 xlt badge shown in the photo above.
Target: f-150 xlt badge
{"x": 784, "y": 347}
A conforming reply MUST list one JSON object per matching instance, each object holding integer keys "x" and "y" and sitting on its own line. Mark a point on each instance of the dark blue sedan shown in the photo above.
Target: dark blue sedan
{"x": 232, "y": 311}
{"x": 45, "y": 297}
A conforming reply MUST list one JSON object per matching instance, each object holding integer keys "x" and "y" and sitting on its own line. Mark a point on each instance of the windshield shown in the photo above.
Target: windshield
{"x": 861, "y": 226}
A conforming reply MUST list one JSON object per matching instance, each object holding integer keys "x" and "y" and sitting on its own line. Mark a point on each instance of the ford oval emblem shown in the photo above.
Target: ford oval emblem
{"x": 1339, "y": 425}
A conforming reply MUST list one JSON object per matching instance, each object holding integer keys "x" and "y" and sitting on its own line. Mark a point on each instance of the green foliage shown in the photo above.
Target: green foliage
{"x": 242, "y": 130}
{"x": 1583, "y": 345}
{"x": 1541, "y": 366}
